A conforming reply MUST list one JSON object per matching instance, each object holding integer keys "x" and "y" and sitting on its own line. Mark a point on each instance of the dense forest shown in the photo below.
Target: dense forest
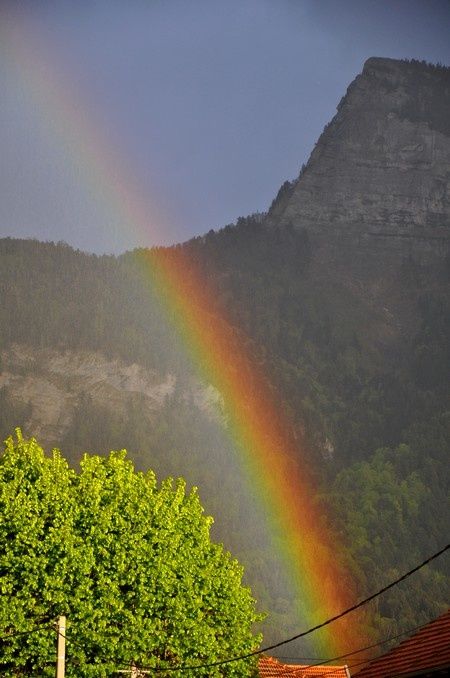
{"x": 372, "y": 406}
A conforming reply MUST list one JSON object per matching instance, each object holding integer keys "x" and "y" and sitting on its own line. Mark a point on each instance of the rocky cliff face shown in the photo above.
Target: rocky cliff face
{"x": 378, "y": 178}
{"x": 48, "y": 386}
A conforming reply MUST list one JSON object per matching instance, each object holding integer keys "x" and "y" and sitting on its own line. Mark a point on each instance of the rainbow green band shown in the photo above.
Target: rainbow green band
{"x": 261, "y": 433}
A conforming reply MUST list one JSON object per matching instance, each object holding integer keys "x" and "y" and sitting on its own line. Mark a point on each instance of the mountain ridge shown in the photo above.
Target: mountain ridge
{"x": 378, "y": 176}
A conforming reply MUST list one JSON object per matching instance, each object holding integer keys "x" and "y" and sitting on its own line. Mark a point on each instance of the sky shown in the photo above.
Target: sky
{"x": 190, "y": 113}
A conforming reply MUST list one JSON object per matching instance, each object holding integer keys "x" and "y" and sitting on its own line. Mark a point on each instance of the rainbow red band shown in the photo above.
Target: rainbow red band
{"x": 257, "y": 425}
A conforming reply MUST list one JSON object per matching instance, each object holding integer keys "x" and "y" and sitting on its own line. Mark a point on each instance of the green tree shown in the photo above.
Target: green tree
{"x": 129, "y": 562}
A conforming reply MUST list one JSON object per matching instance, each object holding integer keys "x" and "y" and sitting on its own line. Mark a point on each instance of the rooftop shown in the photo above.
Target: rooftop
{"x": 272, "y": 668}
{"x": 427, "y": 652}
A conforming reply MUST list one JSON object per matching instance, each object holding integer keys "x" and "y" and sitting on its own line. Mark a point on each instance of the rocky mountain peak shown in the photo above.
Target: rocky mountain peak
{"x": 379, "y": 175}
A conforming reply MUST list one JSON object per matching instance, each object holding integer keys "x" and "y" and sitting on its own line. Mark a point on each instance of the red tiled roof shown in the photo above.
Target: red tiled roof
{"x": 428, "y": 649}
{"x": 272, "y": 668}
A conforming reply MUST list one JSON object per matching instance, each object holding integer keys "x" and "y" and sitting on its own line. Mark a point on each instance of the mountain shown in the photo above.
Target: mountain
{"x": 342, "y": 292}
{"x": 377, "y": 181}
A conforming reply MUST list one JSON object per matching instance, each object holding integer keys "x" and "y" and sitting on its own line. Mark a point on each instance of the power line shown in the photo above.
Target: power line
{"x": 41, "y": 626}
{"x": 322, "y": 662}
{"x": 372, "y": 659}
{"x": 313, "y": 628}
{"x": 110, "y": 660}
{"x": 299, "y": 635}
{"x": 366, "y": 661}
{"x": 23, "y": 633}
{"x": 349, "y": 654}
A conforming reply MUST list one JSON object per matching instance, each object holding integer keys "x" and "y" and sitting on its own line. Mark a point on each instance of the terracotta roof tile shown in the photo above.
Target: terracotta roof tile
{"x": 427, "y": 649}
{"x": 272, "y": 668}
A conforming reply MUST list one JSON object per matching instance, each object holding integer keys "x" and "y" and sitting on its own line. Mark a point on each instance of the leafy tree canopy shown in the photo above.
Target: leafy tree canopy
{"x": 130, "y": 563}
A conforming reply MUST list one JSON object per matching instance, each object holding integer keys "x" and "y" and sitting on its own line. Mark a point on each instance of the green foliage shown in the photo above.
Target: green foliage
{"x": 344, "y": 374}
{"x": 61, "y": 298}
{"x": 129, "y": 562}
{"x": 382, "y": 507}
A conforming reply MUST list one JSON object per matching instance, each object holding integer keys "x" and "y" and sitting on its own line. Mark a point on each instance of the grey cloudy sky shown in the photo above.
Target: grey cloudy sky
{"x": 211, "y": 105}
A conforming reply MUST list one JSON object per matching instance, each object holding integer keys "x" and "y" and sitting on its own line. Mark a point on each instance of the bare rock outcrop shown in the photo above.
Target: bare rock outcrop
{"x": 378, "y": 179}
{"x": 50, "y": 384}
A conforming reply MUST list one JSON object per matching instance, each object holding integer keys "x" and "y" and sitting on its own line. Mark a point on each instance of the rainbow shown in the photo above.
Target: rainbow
{"x": 259, "y": 428}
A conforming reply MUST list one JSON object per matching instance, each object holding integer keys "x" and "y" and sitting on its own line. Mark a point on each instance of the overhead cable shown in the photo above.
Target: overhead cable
{"x": 263, "y": 650}
{"x": 395, "y": 582}
{"x": 320, "y": 662}
{"x": 7, "y": 636}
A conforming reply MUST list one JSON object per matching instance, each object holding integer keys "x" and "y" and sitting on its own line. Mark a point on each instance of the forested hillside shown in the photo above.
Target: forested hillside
{"x": 341, "y": 293}
{"x": 374, "y": 416}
